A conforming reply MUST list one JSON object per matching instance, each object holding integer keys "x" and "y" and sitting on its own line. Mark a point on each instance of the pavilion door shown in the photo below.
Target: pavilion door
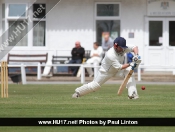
{"x": 159, "y": 43}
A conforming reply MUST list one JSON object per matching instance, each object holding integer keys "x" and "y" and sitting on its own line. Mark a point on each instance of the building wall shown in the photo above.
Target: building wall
{"x": 70, "y": 21}
{"x": 74, "y": 20}
{"x": 132, "y": 20}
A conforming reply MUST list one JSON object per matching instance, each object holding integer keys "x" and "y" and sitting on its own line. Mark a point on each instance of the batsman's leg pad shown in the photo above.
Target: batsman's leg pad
{"x": 88, "y": 88}
{"x": 131, "y": 85}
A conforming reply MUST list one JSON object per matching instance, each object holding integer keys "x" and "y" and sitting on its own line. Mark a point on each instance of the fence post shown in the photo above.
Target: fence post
{"x": 173, "y": 71}
{"x": 39, "y": 71}
{"x": 139, "y": 73}
{"x": 95, "y": 69}
{"x": 23, "y": 74}
{"x": 82, "y": 74}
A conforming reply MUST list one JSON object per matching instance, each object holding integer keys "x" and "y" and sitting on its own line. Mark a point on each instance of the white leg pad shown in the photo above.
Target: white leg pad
{"x": 131, "y": 85}
{"x": 87, "y": 88}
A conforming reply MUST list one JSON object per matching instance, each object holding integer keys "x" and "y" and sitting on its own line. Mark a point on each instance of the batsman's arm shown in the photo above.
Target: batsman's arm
{"x": 132, "y": 64}
{"x": 135, "y": 50}
{"x": 124, "y": 66}
{"x": 116, "y": 64}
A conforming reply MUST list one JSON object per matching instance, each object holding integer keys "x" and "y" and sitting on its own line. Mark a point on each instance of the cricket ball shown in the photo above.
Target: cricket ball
{"x": 143, "y": 87}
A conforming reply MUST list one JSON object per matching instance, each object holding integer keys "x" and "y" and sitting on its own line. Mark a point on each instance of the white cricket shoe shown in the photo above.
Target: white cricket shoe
{"x": 133, "y": 96}
{"x": 76, "y": 95}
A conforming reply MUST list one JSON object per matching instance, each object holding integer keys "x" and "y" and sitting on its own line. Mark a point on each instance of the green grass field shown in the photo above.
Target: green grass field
{"x": 56, "y": 101}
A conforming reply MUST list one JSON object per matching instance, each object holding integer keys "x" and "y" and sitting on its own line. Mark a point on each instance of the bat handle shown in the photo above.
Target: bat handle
{"x": 132, "y": 68}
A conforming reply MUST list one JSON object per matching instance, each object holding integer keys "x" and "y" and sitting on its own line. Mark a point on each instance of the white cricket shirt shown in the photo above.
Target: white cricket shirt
{"x": 113, "y": 61}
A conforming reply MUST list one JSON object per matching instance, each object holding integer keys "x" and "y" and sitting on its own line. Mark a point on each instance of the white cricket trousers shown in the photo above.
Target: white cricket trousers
{"x": 102, "y": 77}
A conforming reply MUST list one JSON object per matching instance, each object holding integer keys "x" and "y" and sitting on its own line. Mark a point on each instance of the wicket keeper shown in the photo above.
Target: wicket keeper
{"x": 112, "y": 65}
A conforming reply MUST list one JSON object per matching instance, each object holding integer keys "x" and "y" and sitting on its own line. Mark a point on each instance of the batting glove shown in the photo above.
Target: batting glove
{"x": 136, "y": 58}
{"x": 133, "y": 65}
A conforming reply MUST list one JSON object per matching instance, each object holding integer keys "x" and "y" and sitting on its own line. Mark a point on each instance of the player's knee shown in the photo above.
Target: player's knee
{"x": 94, "y": 86}
{"x": 88, "y": 88}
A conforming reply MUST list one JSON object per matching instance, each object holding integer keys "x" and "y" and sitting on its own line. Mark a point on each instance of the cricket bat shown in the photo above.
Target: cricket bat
{"x": 125, "y": 81}
{"x": 123, "y": 85}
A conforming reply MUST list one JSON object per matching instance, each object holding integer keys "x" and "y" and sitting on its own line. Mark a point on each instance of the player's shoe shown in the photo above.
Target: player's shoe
{"x": 76, "y": 95}
{"x": 133, "y": 96}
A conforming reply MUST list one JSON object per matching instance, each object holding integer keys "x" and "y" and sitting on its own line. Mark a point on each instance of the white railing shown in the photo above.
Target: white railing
{"x": 83, "y": 66}
{"x": 153, "y": 67}
{"x": 23, "y": 72}
{"x": 39, "y": 75}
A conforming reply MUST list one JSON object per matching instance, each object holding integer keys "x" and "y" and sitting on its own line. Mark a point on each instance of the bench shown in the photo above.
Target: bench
{"x": 87, "y": 54}
{"x": 60, "y": 60}
{"x": 28, "y": 59}
{"x": 65, "y": 60}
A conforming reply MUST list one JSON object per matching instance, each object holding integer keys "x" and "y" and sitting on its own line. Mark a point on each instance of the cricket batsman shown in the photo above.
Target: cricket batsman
{"x": 112, "y": 65}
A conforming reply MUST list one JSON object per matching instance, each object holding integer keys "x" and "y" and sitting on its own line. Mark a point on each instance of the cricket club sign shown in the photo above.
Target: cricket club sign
{"x": 161, "y": 7}
{"x": 164, "y": 5}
